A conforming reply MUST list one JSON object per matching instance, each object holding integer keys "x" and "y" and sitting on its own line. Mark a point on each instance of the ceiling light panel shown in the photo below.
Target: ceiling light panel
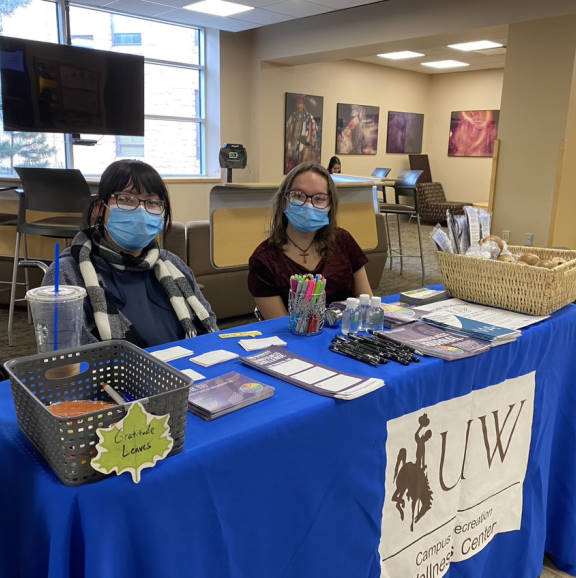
{"x": 445, "y": 64}
{"x": 476, "y": 45}
{"x": 402, "y": 55}
{"x": 218, "y": 7}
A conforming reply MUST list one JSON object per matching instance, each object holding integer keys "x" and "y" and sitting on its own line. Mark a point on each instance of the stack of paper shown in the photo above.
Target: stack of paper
{"x": 396, "y": 314}
{"x": 423, "y": 296}
{"x": 263, "y": 343}
{"x": 462, "y": 325}
{"x": 224, "y": 394}
{"x": 305, "y": 373}
{"x": 437, "y": 342}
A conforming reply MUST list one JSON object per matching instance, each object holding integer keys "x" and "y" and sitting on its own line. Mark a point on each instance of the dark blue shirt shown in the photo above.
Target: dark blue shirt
{"x": 141, "y": 298}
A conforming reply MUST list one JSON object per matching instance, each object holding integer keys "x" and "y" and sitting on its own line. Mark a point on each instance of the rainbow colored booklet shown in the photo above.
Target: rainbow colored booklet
{"x": 226, "y": 393}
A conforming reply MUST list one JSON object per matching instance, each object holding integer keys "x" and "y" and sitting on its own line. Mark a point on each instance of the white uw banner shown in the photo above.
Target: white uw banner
{"x": 454, "y": 478}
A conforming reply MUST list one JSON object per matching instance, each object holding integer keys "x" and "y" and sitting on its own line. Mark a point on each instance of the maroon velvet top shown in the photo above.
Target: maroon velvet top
{"x": 269, "y": 269}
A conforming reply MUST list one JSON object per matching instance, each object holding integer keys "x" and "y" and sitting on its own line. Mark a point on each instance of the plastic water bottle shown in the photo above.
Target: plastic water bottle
{"x": 375, "y": 316}
{"x": 364, "y": 307}
{"x": 351, "y": 316}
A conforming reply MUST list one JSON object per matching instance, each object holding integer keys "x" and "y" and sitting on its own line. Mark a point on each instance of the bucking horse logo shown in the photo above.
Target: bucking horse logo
{"x": 411, "y": 477}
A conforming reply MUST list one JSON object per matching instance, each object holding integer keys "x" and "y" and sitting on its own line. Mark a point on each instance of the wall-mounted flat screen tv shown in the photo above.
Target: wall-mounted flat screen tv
{"x": 50, "y": 87}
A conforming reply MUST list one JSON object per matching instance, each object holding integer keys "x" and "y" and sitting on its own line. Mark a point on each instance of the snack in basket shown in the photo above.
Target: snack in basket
{"x": 529, "y": 259}
{"x": 76, "y": 408}
{"x": 557, "y": 261}
{"x": 506, "y": 258}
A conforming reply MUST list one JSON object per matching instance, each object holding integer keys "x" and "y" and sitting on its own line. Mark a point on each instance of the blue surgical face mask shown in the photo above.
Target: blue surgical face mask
{"x": 133, "y": 230}
{"x": 306, "y": 218}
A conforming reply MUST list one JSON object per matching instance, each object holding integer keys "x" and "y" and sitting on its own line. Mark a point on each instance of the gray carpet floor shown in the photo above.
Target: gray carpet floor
{"x": 392, "y": 281}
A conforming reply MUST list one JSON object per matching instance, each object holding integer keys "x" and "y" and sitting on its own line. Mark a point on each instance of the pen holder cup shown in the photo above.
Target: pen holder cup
{"x": 306, "y": 315}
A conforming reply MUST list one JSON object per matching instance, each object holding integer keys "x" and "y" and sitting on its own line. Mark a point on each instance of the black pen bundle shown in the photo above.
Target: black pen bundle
{"x": 374, "y": 349}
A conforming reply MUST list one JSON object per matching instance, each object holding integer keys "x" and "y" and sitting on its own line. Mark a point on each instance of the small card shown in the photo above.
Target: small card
{"x": 172, "y": 353}
{"x": 193, "y": 374}
{"x": 213, "y": 357}
{"x": 240, "y": 334}
{"x": 255, "y": 344}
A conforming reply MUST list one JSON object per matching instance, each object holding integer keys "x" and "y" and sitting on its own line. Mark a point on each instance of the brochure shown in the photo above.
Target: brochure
{"x": 436, "y": 342}
{"x": 485, "y": 313}
{"x": 423, "y": 296}
{"x": 398, "y": 313}
{"x": 309, "y": 375}
{"x": 224, "y": 394}
{"x": 470, "y": 327}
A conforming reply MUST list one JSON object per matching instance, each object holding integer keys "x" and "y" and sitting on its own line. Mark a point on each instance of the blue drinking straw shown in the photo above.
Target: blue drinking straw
{"x": 56, "y": 289}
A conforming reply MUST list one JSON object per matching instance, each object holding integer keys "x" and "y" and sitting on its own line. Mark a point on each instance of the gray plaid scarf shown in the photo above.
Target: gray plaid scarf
{"x": 110, "y": 322}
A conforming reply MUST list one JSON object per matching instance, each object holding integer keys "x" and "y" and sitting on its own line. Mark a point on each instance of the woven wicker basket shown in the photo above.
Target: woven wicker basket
{"x": 523, "y": 288}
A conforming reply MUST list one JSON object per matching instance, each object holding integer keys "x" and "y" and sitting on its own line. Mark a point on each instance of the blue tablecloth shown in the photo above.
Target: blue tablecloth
{"x": 292, "y": 487}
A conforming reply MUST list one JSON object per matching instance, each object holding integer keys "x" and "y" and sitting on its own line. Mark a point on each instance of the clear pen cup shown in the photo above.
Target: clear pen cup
{"x": 306, "y": 314}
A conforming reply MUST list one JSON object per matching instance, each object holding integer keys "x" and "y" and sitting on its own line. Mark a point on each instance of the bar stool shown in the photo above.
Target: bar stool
{"x": 50, "y": 191}
{"x": 405, "y": 187}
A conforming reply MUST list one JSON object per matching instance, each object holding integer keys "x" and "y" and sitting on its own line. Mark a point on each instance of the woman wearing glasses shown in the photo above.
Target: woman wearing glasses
{"x": 136, "y": 291}
{"x": 304, "y": 239}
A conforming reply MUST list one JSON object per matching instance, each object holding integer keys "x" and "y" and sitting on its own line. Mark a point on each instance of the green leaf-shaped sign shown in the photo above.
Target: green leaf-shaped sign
{"x": 136, "y": 442}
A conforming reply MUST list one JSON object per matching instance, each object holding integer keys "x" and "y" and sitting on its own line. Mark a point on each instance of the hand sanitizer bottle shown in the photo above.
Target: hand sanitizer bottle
{"x": 364, "y": 306}
{"x": 351, "y": 316}
{"x": 375, "y": 316}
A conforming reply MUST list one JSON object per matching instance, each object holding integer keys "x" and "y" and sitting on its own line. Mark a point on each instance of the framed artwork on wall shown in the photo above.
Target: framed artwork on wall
{"x": 302, "y": 129}
{"x": 356, "y": 129}
{"x": 404, "y": 133}
{"x": 472, "y": 133}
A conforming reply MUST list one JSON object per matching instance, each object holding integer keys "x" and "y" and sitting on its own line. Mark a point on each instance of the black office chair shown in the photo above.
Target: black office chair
{"x": 51, "y": 191}
{"x": 405, "y": 186}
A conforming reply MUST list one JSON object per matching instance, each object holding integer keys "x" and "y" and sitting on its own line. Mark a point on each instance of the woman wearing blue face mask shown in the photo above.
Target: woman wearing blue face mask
{"x": 304, "y": 238}
{"x": 135, "y": 290}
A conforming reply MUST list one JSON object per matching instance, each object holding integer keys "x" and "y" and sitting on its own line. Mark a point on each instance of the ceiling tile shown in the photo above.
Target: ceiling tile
{"x": 261, "y": 17}
{"x": 297, "y": 8}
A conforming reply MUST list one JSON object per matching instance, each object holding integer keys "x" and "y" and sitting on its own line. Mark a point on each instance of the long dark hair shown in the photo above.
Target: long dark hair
{"x": 324, "y": 237}
{"x": 333, "y": 161}
{"x": 117, "y": 177}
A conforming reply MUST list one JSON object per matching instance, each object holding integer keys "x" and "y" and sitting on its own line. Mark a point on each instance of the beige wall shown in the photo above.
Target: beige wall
{"x": 346, "y": 82}
{"x": 536, "y": 96}
{"x": 563, "y": 233}
{"x": 463, "y": 178}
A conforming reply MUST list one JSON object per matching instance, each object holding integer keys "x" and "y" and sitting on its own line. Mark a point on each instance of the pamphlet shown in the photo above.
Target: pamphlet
{"x": 472, "y": 328}
{"x": 423, "y": 295}
{"x": 398, "y": 313}
{"x": 437, "y": 342}
{"x": 309, "y": 375}
{"x": 224, "y": 394}
{"x": 485, "y": 313}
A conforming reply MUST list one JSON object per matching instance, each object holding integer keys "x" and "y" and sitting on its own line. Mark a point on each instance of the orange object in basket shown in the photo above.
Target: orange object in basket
{"x": 79, "y": 407}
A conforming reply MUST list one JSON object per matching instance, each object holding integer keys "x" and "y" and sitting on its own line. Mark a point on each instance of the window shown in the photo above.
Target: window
{"x": 174, "y": 124}
{"x": 35, "y": 20}
{"x": 174, "y": 91}
{"x": 129, "y": 147}
{"x": 126, "y": 39}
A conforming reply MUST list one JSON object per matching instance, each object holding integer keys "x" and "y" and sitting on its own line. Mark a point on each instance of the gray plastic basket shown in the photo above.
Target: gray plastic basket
{"x": 68, "y": 444}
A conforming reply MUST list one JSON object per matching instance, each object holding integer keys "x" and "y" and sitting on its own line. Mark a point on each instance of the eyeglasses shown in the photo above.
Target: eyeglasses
{"x": 318, "y": 200}
{"x": 129, "y": 202}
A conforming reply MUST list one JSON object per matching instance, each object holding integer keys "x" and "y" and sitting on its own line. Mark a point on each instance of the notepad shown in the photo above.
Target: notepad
{"x": 213, "y": 357}
{"x": 255, "y": 344}
{"x": 193, "y": 374}
{"x": 171, "y": 353}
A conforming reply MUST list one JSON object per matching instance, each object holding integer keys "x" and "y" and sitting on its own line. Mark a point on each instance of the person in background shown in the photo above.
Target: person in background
{"x": 135, "y": 290}
{"x": 304, "y": 238}
{"x": 334, "y": 165}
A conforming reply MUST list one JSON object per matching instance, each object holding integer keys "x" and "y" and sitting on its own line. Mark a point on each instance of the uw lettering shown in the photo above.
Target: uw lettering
{"x": 500, "y": 447}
